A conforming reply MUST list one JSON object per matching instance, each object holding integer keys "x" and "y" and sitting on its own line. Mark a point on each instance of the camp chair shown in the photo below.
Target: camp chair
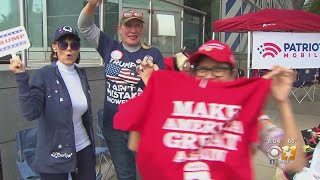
{"x": 26, "y": 148}
{"x": 102, "y": 151}
{"x": 240, "y": 73}
{"x": 259, "y": 72}
{"x": 305, "y": 84}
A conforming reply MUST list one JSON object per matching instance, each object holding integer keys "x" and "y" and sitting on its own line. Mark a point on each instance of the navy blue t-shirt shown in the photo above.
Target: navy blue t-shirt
{"x": 122, "y": 80}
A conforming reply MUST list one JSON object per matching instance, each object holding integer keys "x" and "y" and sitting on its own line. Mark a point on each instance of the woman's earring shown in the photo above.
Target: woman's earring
{"x": 55, "y": 56}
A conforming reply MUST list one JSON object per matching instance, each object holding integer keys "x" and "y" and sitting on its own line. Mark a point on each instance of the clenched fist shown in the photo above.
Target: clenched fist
{"x": 146, "y": 68}
{"x": 16, "y": 66}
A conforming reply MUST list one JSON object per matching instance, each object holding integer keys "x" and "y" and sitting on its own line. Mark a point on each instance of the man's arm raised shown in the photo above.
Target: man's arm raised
{"x": 86, "y": 23}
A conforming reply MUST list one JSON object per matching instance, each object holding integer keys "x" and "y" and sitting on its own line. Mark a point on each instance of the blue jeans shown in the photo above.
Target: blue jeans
{"x": 123, "y": 159}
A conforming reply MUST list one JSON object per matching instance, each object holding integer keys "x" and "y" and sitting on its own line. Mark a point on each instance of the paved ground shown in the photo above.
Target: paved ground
{"x": 307, "y": 115}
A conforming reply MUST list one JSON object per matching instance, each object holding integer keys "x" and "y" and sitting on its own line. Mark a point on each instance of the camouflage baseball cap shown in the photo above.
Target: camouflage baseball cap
{"x": 131, "y": 14}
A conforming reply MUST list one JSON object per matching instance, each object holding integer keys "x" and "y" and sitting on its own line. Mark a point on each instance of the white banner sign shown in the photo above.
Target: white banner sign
{"x": 291, "y": 50}
{"x": 13, "y": 40}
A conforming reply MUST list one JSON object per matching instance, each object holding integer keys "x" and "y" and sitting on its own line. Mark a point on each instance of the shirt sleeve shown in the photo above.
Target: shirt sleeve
{"x": 89, "y": 30}
{"x": 132, "y": 115}
{"x": 104, "y": 44}
{"x": 31, "y": 97}
{"x": 268, "y": 131}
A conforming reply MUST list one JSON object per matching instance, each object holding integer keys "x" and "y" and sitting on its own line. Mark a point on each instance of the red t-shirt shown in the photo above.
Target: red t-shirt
{"x": 178, "y": 116}
{"x": 169, "y": 63}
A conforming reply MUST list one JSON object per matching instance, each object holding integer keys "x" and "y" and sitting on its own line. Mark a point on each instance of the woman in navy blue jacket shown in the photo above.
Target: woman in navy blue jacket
{"x": 59, "y": 98}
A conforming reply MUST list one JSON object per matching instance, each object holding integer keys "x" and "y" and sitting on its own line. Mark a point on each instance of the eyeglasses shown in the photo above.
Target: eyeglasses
{"x": 215, "y": 71}
{"x": 63, "y": 45}
{"x": 128, "y": 14}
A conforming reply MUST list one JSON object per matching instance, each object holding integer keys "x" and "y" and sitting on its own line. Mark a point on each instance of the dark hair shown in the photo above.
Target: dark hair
{"x": 54, "y": 58}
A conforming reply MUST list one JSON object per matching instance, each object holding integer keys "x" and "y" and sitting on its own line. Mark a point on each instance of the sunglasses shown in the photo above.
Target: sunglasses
{"x": 63, "y": 45}
{"x": 128, "y": 14}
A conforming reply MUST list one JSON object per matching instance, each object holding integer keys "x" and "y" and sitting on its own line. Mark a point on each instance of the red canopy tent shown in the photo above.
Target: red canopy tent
{"x": 270, "y": 20}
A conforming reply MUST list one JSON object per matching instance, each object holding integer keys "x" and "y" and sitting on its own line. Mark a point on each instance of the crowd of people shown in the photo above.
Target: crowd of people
{"x": 183, "y": 117}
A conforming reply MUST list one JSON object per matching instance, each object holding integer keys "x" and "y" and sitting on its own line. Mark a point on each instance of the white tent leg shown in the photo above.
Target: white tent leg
{"x": 249, "y": 54}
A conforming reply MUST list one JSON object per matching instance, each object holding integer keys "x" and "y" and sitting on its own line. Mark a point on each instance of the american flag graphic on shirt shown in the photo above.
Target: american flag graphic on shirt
{"x": 121, "y": 75}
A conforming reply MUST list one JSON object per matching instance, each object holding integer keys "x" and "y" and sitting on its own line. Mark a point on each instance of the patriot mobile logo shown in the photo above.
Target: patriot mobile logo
{"x": 269, "y": 49}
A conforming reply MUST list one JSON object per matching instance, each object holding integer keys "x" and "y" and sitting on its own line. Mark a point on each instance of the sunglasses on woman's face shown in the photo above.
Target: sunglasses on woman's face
{"x": 63, "y": 45}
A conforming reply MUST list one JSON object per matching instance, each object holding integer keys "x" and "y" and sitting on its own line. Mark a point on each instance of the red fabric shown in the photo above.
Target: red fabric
{"x": 270, "y": 20}
{"x": 215, "y": 50}
{"x": 168, "y": 63}
{"x": 170, "y": 131}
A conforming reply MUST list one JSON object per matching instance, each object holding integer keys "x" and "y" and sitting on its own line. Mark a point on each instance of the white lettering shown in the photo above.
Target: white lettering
{"x": 204, "y": 126}
{"x": 205, "y": 110}
{"x": 235, "y": 126}
{"x": 203, "y": 154}
{"x": 180, "y": 140}
{"x": 182, "y": 108}
{"x": 193, "y": 141}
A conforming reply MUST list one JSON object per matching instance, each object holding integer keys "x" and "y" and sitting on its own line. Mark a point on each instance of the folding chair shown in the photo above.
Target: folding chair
{"x": 305, "y": 83}
{"x": 26, "y": 140}
{"x": 240, "y": 73}
{"x": 259, "y": 72}
{"x": 102, "y": 151}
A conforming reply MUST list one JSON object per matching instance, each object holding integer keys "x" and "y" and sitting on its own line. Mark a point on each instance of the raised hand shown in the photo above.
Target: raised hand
{"x": 94, "y": 2}
{"x": 146, "y": 68}
{"x": 282, "y": 79}
{"x": 16, "y": 66}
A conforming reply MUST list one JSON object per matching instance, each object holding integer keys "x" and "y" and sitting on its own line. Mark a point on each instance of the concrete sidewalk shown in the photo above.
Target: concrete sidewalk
{"x": 307, "y": 115}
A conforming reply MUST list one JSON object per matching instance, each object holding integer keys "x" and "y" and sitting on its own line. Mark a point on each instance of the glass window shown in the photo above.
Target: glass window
{"x": 66, "y": 12}
{"x": 9, "y": 14}
{"x": 34, "y": 21}
{"x": 144, "y": 4}
{"x": 166, "y": 29}
{"x": 165, "y": 6}
{"x": 168, "y": 44}
{"x": 211, "y": 7}
{"x": 111, "y": 19}
{"x": 192, "y": 30}
{"x": 1, "y": 176}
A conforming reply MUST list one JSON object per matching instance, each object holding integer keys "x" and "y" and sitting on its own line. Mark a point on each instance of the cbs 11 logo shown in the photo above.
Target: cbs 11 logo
{"x": 284, "y": 154}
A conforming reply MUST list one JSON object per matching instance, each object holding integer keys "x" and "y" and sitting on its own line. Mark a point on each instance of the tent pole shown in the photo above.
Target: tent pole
{"x": 249, "y": 54}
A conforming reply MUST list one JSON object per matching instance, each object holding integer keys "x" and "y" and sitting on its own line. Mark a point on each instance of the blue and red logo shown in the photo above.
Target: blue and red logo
{"x": 269, "y": 49}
